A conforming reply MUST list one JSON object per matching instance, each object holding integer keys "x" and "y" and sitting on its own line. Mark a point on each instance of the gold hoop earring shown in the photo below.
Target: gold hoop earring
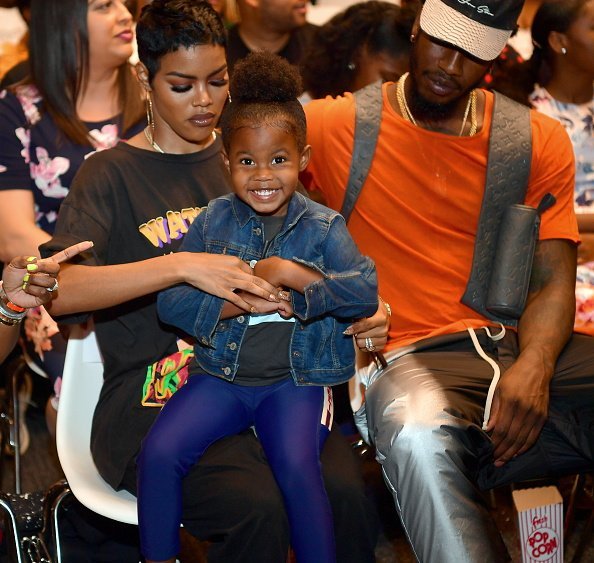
{"x": 150, "y": 118}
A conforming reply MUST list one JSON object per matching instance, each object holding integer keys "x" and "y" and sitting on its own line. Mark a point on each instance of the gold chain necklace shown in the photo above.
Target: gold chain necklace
{"x": 153, "y": 143}
{"x": 407, "y": 114}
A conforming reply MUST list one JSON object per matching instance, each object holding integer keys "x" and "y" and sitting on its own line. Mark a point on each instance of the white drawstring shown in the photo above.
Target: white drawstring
{"x": 492, "y": 363}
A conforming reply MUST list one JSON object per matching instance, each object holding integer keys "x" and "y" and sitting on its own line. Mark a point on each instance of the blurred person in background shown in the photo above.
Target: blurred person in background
{"x": 366, "y": 42}
{"x": 278, "y": 26}
{"x": 80, "y": 96}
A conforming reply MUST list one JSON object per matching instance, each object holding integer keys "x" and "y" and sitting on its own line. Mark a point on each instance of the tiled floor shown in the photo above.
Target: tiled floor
{"x": 41, "y": 468}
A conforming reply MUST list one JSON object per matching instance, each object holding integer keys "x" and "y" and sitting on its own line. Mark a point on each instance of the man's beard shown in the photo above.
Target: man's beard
{"x": 424, "y": 110}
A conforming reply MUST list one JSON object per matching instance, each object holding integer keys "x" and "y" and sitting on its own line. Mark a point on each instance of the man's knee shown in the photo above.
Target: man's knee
{"x": 417, "y": 444}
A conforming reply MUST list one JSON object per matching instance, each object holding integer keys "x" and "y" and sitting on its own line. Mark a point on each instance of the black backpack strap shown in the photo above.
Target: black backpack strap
{"x": 368, "y": 116}
{"x": 508, "y": 171}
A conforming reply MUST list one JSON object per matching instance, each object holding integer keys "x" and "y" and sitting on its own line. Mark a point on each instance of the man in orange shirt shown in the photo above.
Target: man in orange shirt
{"x": 470, "y": 408}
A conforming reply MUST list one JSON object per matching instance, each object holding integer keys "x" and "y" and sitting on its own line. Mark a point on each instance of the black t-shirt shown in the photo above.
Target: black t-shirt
{"x": 292, "y": 51}
{"x": 134, "y": 205}
{"x": 264, "y": 353}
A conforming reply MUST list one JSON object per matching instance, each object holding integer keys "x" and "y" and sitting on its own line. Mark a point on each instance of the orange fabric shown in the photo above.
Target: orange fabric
{"x": 418, "y": 211}
{"x": 12, "y": 54}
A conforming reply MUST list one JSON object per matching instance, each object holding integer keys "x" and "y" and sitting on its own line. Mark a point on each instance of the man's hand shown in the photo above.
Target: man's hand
{"x": 519, "y": 410}
{"x": 521, "y": 400}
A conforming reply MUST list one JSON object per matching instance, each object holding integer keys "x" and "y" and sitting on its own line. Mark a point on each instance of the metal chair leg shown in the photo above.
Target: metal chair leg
{"x": 51, "y": 505}
{"x": 14, "y": 528}
{"x": 12, "y": 417}
{"x": 15, "y": 378}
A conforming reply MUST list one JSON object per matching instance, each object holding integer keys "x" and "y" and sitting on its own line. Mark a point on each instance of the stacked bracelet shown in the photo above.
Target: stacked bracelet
{"x": 10, "y": 313}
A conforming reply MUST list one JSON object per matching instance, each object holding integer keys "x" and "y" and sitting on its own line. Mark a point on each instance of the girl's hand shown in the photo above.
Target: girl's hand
{"x": 285, "y": 308}
{"x": 272, "y": 269}
{"x": 223, "y": 275}
{"x": 31, "y": 281}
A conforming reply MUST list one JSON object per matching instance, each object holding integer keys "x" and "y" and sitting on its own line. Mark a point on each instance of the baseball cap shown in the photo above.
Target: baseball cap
{"x": 479, "y": 27}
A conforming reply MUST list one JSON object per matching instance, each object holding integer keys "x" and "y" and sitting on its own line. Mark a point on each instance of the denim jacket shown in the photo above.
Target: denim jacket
{"x": 320, "y": 354}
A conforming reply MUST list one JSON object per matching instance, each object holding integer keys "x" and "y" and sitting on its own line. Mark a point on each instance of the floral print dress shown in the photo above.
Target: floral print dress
{"x": 578, "y": 120}
{"x": 36, "y": 156}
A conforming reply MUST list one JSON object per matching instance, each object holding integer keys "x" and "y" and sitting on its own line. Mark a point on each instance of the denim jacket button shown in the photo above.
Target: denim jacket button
{"x": 204, "y": 340}
{"x": 227, "y": 371}
{"x": 240, "y": 319}
{"x": 258, "y": 231}
{"x": 233, "y": 346}
{"x": 296, "y": 354}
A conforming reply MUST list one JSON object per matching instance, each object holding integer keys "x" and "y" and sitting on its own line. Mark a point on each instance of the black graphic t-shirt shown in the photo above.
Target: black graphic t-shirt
{"x": 134, "y": 205}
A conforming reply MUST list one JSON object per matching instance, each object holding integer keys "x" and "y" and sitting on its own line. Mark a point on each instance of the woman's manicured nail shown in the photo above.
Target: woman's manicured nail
{"x": 32, "y": 267}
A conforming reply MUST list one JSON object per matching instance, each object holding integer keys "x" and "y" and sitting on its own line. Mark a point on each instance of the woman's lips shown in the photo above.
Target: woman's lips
{"x": 202, "y": 119}
{"x": 126, "y": 36}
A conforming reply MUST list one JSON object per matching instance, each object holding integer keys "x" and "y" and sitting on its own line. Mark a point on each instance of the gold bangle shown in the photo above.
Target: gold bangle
{"x": 9, "y": 321}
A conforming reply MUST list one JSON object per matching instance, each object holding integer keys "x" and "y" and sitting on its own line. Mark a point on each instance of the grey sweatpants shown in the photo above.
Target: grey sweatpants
{"x": 424, "y": 415}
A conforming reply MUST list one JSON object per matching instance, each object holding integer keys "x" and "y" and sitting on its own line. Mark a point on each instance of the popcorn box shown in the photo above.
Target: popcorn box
{"x": 540, "y": 523}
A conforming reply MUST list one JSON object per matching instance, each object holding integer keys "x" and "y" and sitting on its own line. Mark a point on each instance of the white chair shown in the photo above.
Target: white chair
{"x": 81, "y": 384}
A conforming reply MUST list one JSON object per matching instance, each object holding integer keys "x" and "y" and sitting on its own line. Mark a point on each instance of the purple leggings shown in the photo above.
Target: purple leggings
{"x": 287, "y": 419}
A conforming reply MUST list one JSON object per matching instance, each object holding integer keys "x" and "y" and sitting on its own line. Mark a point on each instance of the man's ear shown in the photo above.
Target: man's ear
{"x": 304, "y": 158}
{"x": 143, "y": 76}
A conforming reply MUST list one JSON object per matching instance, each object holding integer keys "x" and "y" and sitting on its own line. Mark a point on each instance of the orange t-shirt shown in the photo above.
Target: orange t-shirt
{"x": 418, "y": 211}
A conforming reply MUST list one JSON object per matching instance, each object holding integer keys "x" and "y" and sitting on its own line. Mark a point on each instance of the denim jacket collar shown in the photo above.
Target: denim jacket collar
{"x": 243, "y": 213}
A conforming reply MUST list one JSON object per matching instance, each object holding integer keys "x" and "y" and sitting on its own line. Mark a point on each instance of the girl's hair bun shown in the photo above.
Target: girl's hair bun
{"x": 264, "y": 77}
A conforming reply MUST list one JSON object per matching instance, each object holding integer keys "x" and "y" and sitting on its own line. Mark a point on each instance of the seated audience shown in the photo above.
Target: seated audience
{"x": 558, "y": 81}
{"x": 368, "y": 41}
{"x": 562, "y": 68}
{"x": 464, "y": 404}
{"x": 81, "y": 96}
{"x": 277, "y": 27}
{"x": 136, "y": 201}
{"x": 287, "y": 352}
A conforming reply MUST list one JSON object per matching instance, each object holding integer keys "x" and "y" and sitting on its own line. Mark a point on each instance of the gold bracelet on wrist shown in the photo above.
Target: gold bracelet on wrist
{"x": 10, "y": 321}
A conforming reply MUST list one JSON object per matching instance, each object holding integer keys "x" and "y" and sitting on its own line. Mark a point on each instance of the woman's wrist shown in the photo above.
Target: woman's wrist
{"x": 10, "y": 313}
{"x": 176, "y": 270}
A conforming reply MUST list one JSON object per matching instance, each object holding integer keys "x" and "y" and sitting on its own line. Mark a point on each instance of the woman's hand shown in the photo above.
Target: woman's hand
{"x": 30, "y": 281}
{"x": 372, "y": 330}
{"x": 222, "y": 275}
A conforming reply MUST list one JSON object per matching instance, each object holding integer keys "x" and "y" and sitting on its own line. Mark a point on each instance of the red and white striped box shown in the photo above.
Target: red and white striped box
{"x": 540, "y": 523}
